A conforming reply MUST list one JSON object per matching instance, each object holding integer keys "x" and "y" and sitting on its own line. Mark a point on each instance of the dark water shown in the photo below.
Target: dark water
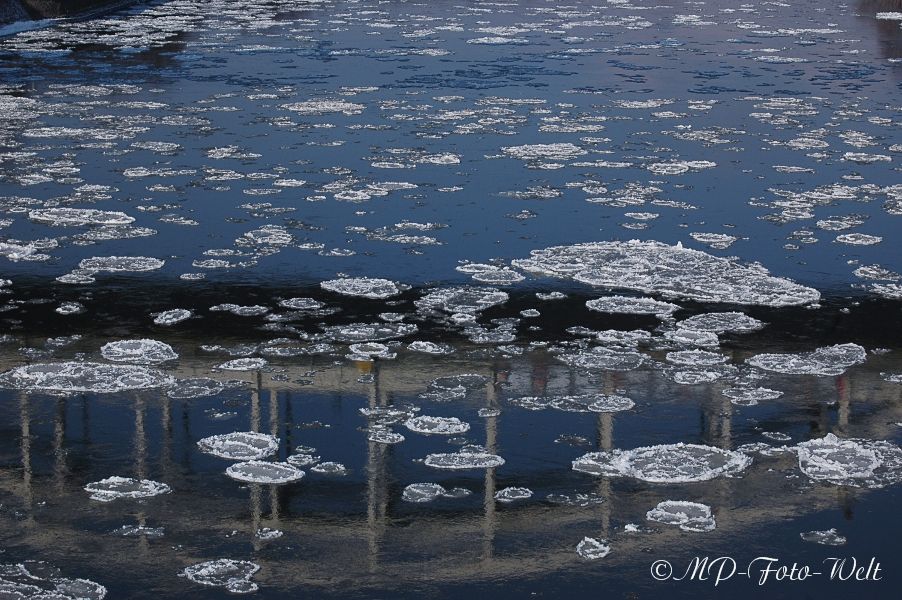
{"x": 259, "y": 148}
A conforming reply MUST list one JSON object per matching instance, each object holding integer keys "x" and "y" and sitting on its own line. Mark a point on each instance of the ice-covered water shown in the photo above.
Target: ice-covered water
{"x": 495, "y": 247}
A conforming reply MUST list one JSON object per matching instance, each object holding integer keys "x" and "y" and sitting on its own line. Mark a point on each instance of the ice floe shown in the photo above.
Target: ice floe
{"x": 690, "y": 516}
{"x": 427, "y": 492}
{"x": 632, "y": 306}
{"x": 364, "y": 287}
{"x": 668, "y": 463}
{"x": 653, "y": 267}
{"x": 464, "y": 459}
{"x": 437, "y": 425}
{"x": 138, "y": 351}
{"x": 113, "y": 488}
{"x": 240, "y": 445}
{"x": 852, "y": 462}
{"x": 829, "y": 537}
{"x": 592, "y": 549}
{"x": 83, "y": 377}
{"x": 513, "y": 494}
{"x": 258, "y": 471}
{"x": 233, "y": 575}
{"x": 829, "y": 360}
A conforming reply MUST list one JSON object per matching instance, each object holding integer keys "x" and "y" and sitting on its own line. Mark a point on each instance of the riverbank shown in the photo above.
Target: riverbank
{"x": 24, "y": 11}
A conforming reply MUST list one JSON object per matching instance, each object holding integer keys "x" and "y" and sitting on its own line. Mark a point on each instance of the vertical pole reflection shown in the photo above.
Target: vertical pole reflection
{"x": 255, "y": 404}
{"x": 141, "y": 464}
{"x": 274, "y": 430}
{"x": 606, "y": 443}
{"x": 256, "y": 490}
{"x": 25, "y": 447}
{"x": 844, "y": 394}
{"x": 376, "y": 479}
{"x": 140, "y": 439}
{"x": 59, "y": 446}
{"x": 488, "y": 502}
{"x": 726, "y": 422}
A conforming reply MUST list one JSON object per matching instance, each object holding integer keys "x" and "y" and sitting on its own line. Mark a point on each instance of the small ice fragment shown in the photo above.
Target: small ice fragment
{"x": 233, "y": 575}
{"x": 265, "y": 533}
{"x": 112, "y": 488}
{"x": 423, "y": 492}
{"x": 631, "y": 305}
{"x": 743, "y": 396}
{"x": 384, "y": 436}
{"x": 722, "y": 322}
{"x": 512, "y": 494}
{"x": 171, "y": 317}
{"x": 437, "y": 425}
{"x": 139, "y": 531}
{"x": 197, "y": 387}
{"x": 592, "y": 549}
{"x": 364, "y": 287}
{"x": 70, "y": 308}
{"x": 690, "y": 516}
{"x": 243, "y": 364}
{"x": 138, "y": 351}
{"x": 258, "y": 471}
{"x": 830, "y": 537}
{"x": 330, "y": 468}
{"x": 464, "y": 460}
{"x": 430, "y": 348}
{"x": 240, "y": 445}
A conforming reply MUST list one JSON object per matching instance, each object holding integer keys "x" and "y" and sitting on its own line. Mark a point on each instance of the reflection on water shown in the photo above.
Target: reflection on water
{"x": 393, "y": 241}
{"x": 353, "y": 533}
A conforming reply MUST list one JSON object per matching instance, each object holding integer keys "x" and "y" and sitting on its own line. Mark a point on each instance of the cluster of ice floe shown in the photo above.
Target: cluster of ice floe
{"x": 73, "y": 377}
{"x": 39, "y": 580}
{"x": 830, "y": 360}
{"x": 852, "y": 462}
{"x": 669, "y": 463}
{"x": 653, "y": 267}
{"x": 598, "y": 403}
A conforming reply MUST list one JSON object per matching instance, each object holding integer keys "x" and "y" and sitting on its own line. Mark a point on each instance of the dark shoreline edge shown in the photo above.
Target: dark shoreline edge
{"x": 25, "y": 11}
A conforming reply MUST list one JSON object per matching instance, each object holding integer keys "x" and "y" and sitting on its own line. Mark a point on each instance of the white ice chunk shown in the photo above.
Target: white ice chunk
{"x": 258, "y": 471}
{"x": 240, "y": 445}
{"x": 690, "y": 516}
{"x": 668, "y": 463}
{"x": 113, "y": 488}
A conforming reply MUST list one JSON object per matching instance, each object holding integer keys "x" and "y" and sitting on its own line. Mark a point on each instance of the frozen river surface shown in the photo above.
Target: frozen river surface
{"x": 392, "y": 299}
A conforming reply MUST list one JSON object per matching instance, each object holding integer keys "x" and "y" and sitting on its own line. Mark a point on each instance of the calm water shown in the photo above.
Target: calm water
{"x": 238, "y": 154}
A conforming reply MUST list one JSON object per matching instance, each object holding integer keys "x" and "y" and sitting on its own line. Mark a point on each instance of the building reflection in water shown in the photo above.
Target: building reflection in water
{"x": 393, "y": 542}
